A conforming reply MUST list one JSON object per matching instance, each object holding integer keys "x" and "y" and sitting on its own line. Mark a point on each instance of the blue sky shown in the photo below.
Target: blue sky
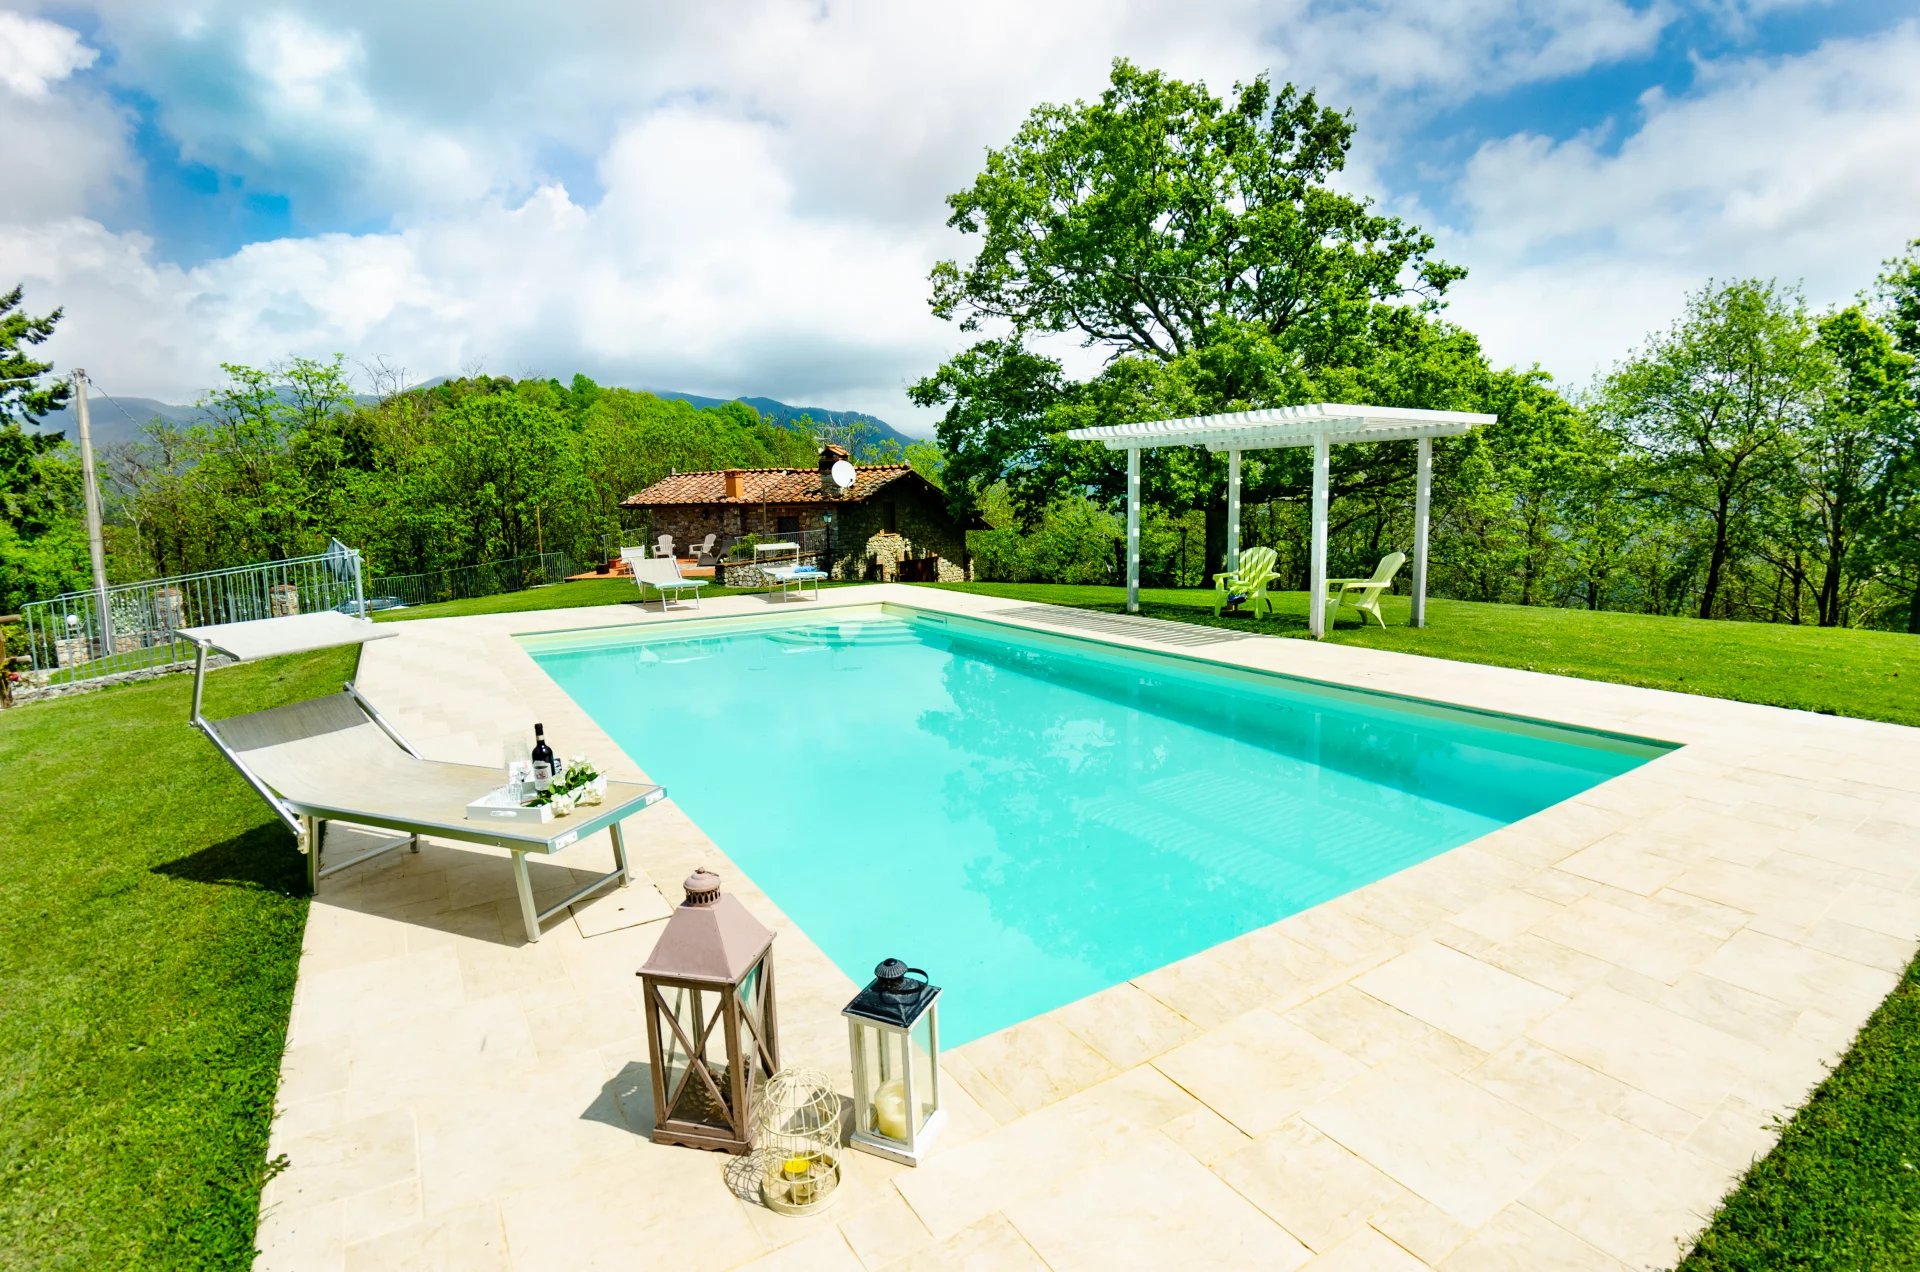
{"x": 745, "y": 197}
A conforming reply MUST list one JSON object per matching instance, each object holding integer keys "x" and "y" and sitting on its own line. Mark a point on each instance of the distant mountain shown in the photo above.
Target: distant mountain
{"x": 113, "y": 423}
{"x": 785, "y": 416}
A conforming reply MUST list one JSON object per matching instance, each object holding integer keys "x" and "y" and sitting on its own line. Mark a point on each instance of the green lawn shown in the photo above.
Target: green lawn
{"x": 150, "y": 928}
{"x": 1874, "y": 675}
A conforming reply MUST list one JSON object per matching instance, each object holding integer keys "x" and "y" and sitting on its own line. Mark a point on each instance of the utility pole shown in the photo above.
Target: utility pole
{"x": 91, "y": 490}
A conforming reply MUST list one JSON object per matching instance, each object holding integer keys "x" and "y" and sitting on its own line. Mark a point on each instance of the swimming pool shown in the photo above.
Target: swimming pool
{"x": 1031, "y": 817}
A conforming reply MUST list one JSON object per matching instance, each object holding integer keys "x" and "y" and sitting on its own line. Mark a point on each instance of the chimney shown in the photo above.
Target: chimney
{"x": 736, "y": 483}
{"x": 829, "y": 456}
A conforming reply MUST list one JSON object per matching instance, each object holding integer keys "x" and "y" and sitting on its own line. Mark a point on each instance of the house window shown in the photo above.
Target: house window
{"x": 890, "y": 517}
{"x": 786, "y": 525}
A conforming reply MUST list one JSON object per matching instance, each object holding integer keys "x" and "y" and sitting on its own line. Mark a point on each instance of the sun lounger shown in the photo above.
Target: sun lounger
{"x": 662, "y": 574}
{"x": 335, "y": 759}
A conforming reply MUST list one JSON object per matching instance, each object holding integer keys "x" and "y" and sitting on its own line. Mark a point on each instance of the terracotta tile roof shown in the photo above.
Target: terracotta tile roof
{"x": 766, "y": 486}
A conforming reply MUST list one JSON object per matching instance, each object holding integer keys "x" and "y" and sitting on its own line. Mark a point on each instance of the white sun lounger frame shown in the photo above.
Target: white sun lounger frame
{"x": 444, "y": 788}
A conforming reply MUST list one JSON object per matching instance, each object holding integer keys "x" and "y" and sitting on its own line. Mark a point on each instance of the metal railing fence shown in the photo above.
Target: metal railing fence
{"x": 736, "y": 547}
{"x": 487, "y": 578}
{"x": 134, "y": 626}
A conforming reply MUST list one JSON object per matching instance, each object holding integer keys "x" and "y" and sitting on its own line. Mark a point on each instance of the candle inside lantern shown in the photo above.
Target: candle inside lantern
{"x": 890, "y": 1109}
{"x": 798, "y": 1172}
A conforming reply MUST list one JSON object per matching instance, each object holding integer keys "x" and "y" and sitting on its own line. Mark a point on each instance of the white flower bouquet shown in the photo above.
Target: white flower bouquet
{"x": 578, "y": 785}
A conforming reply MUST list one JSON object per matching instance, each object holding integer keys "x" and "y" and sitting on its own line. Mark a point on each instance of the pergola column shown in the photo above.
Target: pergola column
{"x": 1422, "y": 501}
{"x": 1133, "y": 529}
{"x": 1317, "y": 585}
{"x": 1233, "y": 509}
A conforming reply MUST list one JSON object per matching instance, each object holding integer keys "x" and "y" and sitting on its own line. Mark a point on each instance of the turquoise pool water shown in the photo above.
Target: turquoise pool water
{"x": 1033, "y": 818}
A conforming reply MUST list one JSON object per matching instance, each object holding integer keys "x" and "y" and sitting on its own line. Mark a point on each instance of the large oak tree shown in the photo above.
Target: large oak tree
{"x": 1171, "y": 228}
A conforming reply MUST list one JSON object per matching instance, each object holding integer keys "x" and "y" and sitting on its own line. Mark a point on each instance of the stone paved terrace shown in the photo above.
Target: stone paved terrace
{"x": 1552, "y": 1048}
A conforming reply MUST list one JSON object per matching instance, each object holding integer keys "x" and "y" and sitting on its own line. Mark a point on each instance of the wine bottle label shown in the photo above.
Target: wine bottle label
{"x": 542, "y": 774}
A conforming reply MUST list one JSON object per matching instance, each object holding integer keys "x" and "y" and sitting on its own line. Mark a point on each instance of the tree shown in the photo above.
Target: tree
{"x": 1164, "y": 225}
{"x": 42, "y": 543}
{"x": 1896, "y": 535}
{"x": 1852, "y": 439}
{"x": 22, "y": 400}
{"x": 1713, "y": 404}
{"x": 1141, "y": 221}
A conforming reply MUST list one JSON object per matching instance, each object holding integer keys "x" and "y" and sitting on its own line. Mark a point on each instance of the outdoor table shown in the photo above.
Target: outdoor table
{"x": 796, "y": 577}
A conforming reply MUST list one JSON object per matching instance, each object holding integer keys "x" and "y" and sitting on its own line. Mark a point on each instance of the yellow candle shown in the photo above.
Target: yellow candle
{"x": 890, "y": 1109}
{"x": 798, "y": 1172}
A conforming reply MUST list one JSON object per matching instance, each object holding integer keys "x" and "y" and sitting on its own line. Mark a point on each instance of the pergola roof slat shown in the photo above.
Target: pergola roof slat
{"x": 1338, "y": 422}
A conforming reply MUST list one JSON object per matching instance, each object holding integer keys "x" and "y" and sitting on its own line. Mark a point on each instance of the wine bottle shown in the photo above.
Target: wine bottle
{"x": 542, "y": 759}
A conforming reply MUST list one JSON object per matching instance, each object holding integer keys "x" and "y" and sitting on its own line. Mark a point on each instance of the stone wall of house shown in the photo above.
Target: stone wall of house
{"x": 866, "y": 549}
{"x": 862, "y": 546}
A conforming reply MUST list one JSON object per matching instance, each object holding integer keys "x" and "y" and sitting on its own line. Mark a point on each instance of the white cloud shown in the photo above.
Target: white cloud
{"x": 767, "y": 175}
{"x": 734, "y": 291}
{"x": 1467, "y": 47}
{"x": 62, "y": 147}
{"x": 36, "y": 54}
{"x": 1798, "y": 168}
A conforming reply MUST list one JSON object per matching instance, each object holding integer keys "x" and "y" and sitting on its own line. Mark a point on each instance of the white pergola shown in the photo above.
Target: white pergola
{"x": 1322, "y": 426}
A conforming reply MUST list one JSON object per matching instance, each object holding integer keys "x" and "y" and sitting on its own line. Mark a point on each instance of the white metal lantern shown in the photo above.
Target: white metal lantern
{"x": 893, "y": 1027}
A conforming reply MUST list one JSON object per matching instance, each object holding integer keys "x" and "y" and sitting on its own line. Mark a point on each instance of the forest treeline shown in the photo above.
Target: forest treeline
{"x": 465, "y": 471}
{"x": 1757, "y": 458}
{"x": 1757, "y": 461}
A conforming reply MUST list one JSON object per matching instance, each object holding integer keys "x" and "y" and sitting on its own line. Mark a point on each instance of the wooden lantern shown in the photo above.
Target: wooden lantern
{"x": 711, "y": 1037}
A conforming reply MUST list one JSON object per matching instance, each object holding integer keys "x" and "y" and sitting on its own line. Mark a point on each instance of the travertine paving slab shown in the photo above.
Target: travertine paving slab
{"x": 1628, "y": 1193}
{"x": 1257, "y": 1071}
{"x": 1437, "y": 1135}
{"x": 1553, "y": 1048}
{"x": 1518, "y": 1240}
{"x": 1467, "y": 998}
{"x": 1366, "y": 1251}
{"x": 1317, "y": 1190}
{"x": 1669, "y": 1056}
{"x": 1150, "y": 1206}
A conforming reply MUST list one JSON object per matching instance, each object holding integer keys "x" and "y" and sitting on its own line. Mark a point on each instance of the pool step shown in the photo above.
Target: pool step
{"x": 846, "y": 635}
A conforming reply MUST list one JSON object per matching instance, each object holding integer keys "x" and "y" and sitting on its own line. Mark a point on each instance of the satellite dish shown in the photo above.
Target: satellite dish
{"x": 842, "y": 474}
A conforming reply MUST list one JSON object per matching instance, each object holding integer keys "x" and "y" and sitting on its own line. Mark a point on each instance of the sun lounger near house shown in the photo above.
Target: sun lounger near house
{"x": 335, "y": 759}
{"x": 662, "y": 574}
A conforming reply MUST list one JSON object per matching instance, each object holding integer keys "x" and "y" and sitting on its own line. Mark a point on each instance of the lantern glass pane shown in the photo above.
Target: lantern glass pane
{"x": 753, "y": 1009}
{"x": 698, "y": 1014}
{"x": 919, "y": 1045}
{"x": 675, "y": 1058}
{"x": 884, "y": 1054}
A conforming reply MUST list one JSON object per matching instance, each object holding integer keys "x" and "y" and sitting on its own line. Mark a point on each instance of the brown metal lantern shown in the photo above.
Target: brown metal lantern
{"x": 711, "y": 1035}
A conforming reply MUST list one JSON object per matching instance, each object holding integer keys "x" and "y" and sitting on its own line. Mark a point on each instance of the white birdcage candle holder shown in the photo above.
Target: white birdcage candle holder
{"x": 797, "y": 1137}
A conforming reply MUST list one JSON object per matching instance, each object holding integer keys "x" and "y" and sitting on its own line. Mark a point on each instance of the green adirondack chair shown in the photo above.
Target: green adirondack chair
{"x": 1250, "y": 580}
{"x": 1367, "y": 591}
